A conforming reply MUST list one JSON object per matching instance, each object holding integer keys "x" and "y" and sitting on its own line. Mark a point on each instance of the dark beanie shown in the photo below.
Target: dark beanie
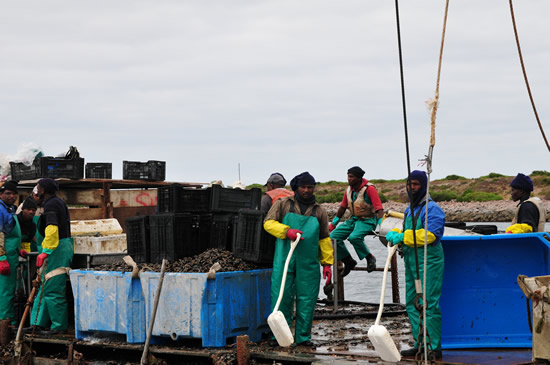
{"x": 29, "y": 203}
{"x": 356, "y": 171}
{"x": 420, "y": 176}
{"x": 522, "y": 182}
{"x": 9, "y": 185}
{"x": 304, "y": 178}
{"x": 49, "y": 185}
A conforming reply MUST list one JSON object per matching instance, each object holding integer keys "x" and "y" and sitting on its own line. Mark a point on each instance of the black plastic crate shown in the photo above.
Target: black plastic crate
{"x": 20, "y": 171}
{"x": 177, "y": 235}
{"x": 232, "y": 200}
{"x": 221, "y": 231}
{"x": 55, "y": 167}
{"x": 99, "y": 170}
{"x": 138, "y": 238}
{"x": 150, "y": 170}
{"x": 251, "y": 241}
{"x": 176, "y": 199}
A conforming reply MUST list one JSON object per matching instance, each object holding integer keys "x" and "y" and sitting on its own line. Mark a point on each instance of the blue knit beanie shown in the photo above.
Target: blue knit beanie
{"x": 522, "y": 182}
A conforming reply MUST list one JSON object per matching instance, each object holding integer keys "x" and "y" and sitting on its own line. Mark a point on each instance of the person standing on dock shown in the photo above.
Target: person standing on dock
{"x": 286, "y": 218}
{"x": 10, "y": 250}
{"x": 275, "y": 190}
{"x": 414, "y": 239}
{"x": 58, "y": 249}
{"x": 365, "y": 206}
{"x": 530, "y": 213}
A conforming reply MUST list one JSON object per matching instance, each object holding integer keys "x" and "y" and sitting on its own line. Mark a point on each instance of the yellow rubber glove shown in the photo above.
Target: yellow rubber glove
{"x": 326, "y": 253}
{"x": 519, "y": 228}
{"x": 276, "y": 229}
{"x": 420, "y": 235}
{"x": 51, "y": 240}
{"x": 26, "y": 246}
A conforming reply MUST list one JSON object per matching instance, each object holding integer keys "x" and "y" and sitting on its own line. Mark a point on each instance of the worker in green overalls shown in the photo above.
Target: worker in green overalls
{"x": 10, "y": 249}
{"x": 413, "y": 238}
{"x": 50, "y": 307}
{"x": 286, "y": 218}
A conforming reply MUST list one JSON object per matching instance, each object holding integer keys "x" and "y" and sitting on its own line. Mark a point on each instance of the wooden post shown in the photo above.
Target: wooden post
{"x": 107, "y": 204}
{"x": 243, "y": 351}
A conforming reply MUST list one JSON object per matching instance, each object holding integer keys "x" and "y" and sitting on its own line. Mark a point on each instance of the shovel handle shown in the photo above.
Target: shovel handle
{"x": 391, "y": 251}
{"x": 293, "y": 245}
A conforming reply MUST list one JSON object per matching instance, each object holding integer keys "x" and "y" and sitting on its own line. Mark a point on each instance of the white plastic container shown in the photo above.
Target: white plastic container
{"x": 103, "y": 227}
{"x": 100, "y": 245}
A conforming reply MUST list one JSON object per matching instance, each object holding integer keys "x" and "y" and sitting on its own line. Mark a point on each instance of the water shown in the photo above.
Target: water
{"x": 365, "y": 287}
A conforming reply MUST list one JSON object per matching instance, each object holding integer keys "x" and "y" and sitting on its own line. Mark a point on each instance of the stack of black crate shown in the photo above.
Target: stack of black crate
{"x": 188, "y": 222}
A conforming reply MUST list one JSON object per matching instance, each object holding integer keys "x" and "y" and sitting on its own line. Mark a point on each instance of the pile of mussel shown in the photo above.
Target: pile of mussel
{"x": 199, "y": 263}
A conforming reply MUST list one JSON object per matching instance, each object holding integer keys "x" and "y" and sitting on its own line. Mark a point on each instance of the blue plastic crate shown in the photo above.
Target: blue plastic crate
{"x": 482, "y": 305}
{"x": 216, "y": 311}
{"x": 108, "y": 302}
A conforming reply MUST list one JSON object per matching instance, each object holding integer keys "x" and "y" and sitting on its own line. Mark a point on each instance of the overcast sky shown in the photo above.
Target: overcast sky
{"x": 275, "y": 85}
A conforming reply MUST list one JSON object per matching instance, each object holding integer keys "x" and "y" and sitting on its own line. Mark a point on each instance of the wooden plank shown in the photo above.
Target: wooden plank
{"x": 87, "y": 197}
{"x": 134, "y": 198}
{"x": 119, "y": 198}
{"x": 78, "y": 214}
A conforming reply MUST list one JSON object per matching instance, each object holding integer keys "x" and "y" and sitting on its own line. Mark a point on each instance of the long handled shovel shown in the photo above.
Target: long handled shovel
{"x": 378, "y": 334}
{"x": 28, "y": 307}
{"x": 276, "y": 320}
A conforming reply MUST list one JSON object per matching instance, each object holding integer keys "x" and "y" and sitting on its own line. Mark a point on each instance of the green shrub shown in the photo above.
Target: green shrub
{"x": 330, "y": 198}
{"x": 544, "y": 181}
{"x": 382, "y": 181}
{"x": 454, "y": 177}
{"x": 383, "y": 198}
{"x": 540, "y": 173}
{"x": 256, "y": 186}
{"x": 492, "y": 175}
{"x": 477, "y": 196}
{"x": 333, "y": 182}
{"x": 443, "y": 196}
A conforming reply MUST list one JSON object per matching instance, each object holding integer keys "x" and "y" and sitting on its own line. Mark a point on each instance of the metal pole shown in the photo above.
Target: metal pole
{"x": 335, "y": 275}
{"x": 144, "y": 359}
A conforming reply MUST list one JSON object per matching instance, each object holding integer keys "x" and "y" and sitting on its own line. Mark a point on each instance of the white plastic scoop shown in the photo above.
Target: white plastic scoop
{"x": 276, "y": 320}
{"x": 378, "y": 334}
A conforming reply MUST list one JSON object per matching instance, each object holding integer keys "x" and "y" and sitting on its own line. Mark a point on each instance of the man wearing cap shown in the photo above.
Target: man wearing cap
{"x": 530, "y": 213}
{"x": 362, "y": 200}
{"x": 57, "y": 248}
{"x": 288, "y": 217}
{"x": 10, "y": 249}
{"x": 275, "y": 191}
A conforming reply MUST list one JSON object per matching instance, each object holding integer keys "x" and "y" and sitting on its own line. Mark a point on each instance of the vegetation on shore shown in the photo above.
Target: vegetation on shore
{"x": 491, "y": 187}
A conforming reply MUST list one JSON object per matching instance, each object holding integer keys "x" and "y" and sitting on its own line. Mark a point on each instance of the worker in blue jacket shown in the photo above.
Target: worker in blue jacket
{"x": 10, "y": 250}
{"x": 416, "y": 234}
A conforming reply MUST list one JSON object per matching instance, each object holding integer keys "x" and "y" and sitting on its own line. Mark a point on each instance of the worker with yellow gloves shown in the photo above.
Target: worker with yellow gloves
{"x": 530, "y": 213}
{"x": 27, "y": 224}
{"x": 287, "y": 217}
{"x": 417, "y": 189}
{"x": 10, "y": 249}
{"x": 57, "y": 248}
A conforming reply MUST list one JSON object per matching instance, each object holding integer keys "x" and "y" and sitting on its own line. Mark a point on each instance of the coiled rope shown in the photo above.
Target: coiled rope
{"x": 525, "y": 76}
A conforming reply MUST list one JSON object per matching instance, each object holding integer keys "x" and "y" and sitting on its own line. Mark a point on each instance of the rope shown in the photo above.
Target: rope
{"x": 525, "y": 76}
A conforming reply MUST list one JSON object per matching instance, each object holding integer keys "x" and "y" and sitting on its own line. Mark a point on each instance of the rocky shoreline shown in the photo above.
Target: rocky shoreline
{"x": 491, "y": 211}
